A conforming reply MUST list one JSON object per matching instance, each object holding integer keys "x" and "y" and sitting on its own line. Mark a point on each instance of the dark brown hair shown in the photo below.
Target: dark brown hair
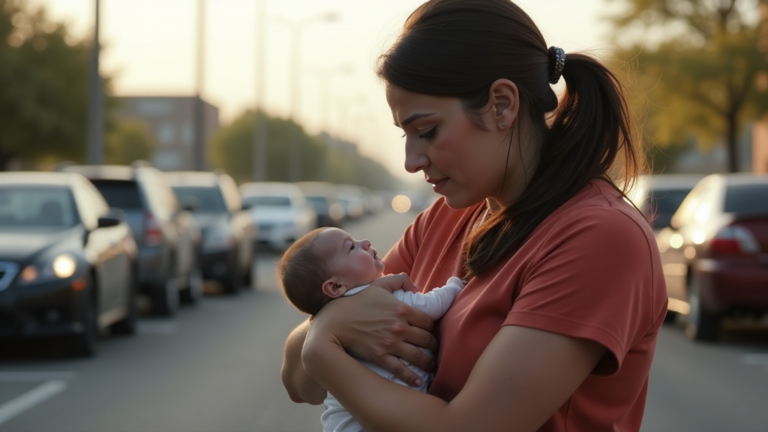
{"x": 301, "y": 272}
{"x": 458, "y": 48}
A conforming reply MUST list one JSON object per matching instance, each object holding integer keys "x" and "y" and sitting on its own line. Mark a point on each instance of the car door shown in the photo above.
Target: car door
{"x": 241, "y": 223}
{"x": 109, "y": 246}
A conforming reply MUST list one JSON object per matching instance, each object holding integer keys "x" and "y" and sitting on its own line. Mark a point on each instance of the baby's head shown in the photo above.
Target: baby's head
{"x": 325, "y": 264}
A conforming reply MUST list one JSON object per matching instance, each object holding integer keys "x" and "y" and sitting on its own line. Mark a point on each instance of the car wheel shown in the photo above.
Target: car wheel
{"x": 702, "y": 325}
{"x": 84, "y": 344}
{"x": 194, "y": 291}
{"x": 127, "y": 325}
{"x": 233, "y": 279}
{"x": 165, "y": 298}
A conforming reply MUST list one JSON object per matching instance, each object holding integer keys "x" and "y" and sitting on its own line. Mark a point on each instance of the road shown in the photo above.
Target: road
{"x": 215, "y": 367}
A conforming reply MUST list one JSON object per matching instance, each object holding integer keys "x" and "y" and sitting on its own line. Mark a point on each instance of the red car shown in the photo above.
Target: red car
{"x": 715, "y": 253}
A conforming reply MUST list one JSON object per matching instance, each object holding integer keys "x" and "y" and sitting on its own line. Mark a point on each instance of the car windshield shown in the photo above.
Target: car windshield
{"x": 33, "y": 206}
{"x": 267, "y": 201}
{"x": 319, "y": 203}
{"x": 203, "y": 199}
{"x": 665, "y": 204}
{"x": 119, "y": 193}
{"x": 746, "y": 198}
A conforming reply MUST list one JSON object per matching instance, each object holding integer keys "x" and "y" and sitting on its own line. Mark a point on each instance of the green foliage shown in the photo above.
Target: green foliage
{"x": 128, "y": 141}
{"x": 232, "y": 149}
{"x": 44, "y": 87}
{"x": 701, "y": 80}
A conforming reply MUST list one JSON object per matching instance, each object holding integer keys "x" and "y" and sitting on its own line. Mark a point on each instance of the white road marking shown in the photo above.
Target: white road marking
{"x": 28, "y": 376}
{"x": 755, "y": 359}
{"x": 31, "y": 398}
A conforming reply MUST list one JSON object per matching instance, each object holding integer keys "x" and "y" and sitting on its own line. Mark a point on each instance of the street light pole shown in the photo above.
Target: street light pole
{"x": 199, "y": 107}
{"x": 297, "y": 28}
{"x": 95, "y": 100}
{"x": 260, "y": 132}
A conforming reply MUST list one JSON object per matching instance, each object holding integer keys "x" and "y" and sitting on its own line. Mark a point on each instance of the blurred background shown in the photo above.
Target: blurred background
{"x": 156, "y": 158}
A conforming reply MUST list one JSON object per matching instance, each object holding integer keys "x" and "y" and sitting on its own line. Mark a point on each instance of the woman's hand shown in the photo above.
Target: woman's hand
{"x": 394, "y": 282}
{"x": 374, "y": 326}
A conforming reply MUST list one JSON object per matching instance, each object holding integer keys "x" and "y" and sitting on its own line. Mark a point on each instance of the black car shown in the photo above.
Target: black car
{"x": 167, "y": 236}
{"x": 226, "y": 250}
{"x": 66, "y": 261}
{"x": 323, "y": 198}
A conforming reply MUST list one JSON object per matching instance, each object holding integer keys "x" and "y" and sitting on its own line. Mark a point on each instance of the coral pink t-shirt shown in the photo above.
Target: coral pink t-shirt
{"x": 590, "y": 270}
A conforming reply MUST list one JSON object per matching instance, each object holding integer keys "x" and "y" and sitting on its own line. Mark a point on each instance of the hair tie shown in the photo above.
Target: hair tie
{"x": 556, "y": 64}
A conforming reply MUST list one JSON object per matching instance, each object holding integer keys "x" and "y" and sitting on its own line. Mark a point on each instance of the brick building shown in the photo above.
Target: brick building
{"x": 171, "y": 121}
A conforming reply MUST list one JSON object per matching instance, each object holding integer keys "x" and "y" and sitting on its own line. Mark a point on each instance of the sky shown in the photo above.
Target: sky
{"x": 150, "y": 49}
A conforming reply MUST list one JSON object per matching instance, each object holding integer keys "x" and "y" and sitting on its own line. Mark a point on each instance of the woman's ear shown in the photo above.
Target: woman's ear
{"x": 334, "y": 289}
{"x": 505, "y": 102}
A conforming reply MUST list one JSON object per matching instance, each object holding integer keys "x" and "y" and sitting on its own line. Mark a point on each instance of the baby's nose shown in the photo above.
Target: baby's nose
{"x": 366, "y": 244}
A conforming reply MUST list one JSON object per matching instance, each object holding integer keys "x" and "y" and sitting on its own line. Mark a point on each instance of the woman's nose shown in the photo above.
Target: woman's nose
{"x": 415, "y": 159}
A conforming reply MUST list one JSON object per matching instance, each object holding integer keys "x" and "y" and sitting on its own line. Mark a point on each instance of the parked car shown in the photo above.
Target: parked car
{"x": 66, "y": 261}
{"x": 659, "y": 196}
{"x": 280, "y": 210}
{"x": 352, "y": 199}
{"x": 227, "y": 251}
{"x": 323, "y": 198}
{"x": 167, "y": 235}
{"x": 715, "y": 253}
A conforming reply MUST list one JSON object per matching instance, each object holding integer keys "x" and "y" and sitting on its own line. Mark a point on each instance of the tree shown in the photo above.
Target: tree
{"x": 232, "y": 149}
{"x": 128, "y": 141}
{"x": 44, "y": 87}
{"x": 700, "y": 65}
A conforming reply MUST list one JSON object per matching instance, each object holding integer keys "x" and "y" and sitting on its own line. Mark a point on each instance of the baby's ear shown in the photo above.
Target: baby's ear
{"x": 334, "y": 289}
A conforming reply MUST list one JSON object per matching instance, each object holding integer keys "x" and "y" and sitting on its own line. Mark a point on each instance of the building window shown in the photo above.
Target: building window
{"x": 154, "y": 108}
{"x": 166, "y": 133}
{"x": 187, "y": 134}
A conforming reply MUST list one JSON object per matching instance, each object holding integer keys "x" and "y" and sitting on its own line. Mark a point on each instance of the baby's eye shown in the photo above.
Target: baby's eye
{"x": 352, "y": 247}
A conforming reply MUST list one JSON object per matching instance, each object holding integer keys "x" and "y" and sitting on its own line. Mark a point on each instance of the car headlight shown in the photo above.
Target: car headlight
{"x": 216, "y": 239}
{"x": 61, "y": 267}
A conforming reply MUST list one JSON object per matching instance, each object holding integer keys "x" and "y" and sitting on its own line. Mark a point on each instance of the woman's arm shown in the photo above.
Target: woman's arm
{"x": 521, "y": 379}
{"x": 384, "y": 329}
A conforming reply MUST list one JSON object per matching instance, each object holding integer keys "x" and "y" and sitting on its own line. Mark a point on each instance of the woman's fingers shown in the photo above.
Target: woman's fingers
{"x": 400, "y": 370}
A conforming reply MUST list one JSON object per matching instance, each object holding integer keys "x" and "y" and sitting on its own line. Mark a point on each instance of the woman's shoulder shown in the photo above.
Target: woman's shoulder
{"x": 599, "y": 208}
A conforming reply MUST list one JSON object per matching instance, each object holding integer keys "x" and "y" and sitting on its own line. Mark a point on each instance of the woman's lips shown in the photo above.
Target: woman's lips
{"x": 437, "y": 186}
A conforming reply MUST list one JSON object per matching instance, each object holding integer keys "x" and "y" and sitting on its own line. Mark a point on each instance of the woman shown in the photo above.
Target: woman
{"x": 557, "y": 325}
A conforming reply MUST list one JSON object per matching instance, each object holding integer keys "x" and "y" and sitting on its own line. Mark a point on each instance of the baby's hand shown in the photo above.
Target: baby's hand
{"x": 395, "y": 282}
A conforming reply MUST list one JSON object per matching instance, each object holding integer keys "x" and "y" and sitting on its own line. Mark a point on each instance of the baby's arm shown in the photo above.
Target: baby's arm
{"x": 436, "y": 302}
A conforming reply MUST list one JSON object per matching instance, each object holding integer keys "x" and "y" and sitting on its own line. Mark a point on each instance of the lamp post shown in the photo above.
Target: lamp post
{"x": 95, "y": 100}
{"x": 297, "y": 28}
{"x": 260, "y": 133}
{"x": 199, "y": 107}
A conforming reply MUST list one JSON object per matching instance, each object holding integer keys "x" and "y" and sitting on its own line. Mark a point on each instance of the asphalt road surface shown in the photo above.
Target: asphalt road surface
{"x": 215, "y": 367}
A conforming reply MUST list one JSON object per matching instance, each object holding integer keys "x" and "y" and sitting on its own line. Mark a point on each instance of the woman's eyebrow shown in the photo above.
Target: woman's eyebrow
{"x": 412, "y": 118}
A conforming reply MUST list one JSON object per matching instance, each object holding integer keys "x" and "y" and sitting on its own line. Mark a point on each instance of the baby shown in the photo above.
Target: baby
{"x": 327, "y": 264}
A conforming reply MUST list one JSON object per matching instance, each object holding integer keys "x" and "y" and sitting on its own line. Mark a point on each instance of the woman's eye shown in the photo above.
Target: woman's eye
{"x": 429, "y": 134}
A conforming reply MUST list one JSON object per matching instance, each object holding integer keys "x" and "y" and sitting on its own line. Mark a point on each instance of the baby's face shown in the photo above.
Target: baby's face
{"x": 355, "y": 262}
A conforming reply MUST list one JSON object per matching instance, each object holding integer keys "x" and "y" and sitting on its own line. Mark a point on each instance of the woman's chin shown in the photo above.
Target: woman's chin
{"x": 459, "y": 202}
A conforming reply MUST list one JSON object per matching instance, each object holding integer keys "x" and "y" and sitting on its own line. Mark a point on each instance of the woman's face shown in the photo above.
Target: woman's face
{"x": 463, "y": 162}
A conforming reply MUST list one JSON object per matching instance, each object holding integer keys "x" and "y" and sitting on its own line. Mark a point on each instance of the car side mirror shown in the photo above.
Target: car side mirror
{"x": 114, "y": 217}
{"x": 108, "y": 221}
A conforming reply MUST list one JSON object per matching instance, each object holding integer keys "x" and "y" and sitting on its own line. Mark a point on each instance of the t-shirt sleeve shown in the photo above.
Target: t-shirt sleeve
{"x": 592, "y": 278}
